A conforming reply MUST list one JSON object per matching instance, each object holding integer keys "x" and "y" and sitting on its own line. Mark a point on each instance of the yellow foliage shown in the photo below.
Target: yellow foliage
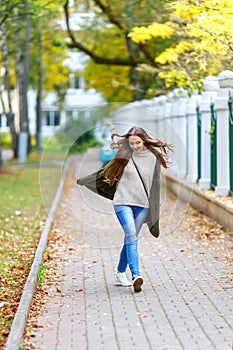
{"x": 55, "y": 73}
{"x": 205, "y": 29}
{"x": 180, "y": 79}
{"x": 210, "y": 21}
{"x": 167, "y": 56}
{"x": 171, "y": 54}
{"x": 143, "y": 34}
{"x": 114, "y": 82}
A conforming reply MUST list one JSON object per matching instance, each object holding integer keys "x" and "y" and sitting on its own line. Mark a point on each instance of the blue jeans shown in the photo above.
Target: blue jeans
{"x": 131, "y": 219}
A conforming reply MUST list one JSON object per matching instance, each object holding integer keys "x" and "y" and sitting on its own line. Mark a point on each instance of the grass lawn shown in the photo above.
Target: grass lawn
{"x": 22, "y": 218}
{"x": 26, "y": 194}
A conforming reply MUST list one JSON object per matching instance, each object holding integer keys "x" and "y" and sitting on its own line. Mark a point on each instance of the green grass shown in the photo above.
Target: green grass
{"x": 41, "y": 274}
{"x": 26, "y": 192}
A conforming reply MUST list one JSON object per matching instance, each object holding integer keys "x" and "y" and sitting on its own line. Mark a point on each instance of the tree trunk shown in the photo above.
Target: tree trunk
{"x": 26, "y": 69}
{"x": 23, "y": 57}
{"x": 1, "y": 158}
{"x": 135, "y": 76}
{"x": 39, "y": 96}
{"x": 8, "y": 110}
{"x": 3, "y": 107}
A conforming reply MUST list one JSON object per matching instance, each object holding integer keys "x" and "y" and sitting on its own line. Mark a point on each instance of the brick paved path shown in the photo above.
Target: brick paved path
{"x": 186, "y": 303}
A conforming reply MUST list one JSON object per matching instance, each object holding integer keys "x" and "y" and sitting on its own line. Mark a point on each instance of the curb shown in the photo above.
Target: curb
{"x": 205, "y": 203}
{"x": 20, "y": 318}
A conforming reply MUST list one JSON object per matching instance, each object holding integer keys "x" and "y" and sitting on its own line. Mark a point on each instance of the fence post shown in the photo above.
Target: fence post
{"x": 162, "y": 104}
{"x": 230, "y": 105}
{"x": 181, "y": 146}
{"x": 174, "y": 132}
{"x": 213, "y": 147}
{"x": 225, "y": 79}
{"x": 160, "y": 111}
{"x": 155, "y": 128}
{"x": 210, "y": 86}
{"x": 192, "y": 140}
{"x": 167, "y": 132}
{"x": 198, "y": 142}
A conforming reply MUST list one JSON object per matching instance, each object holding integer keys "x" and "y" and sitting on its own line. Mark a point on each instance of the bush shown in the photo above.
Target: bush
{"x": 77, "y": 135}
{"x": 5, "y": 139}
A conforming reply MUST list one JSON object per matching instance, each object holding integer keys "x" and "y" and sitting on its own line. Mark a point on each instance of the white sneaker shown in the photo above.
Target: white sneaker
{"x": 137, "y": 283}
{"x": 122, "y": 280}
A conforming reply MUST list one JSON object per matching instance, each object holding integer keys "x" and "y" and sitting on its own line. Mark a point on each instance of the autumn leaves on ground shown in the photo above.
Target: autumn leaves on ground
{"x": 199, "y": 227}
{"x": 21, "y": 223}
{"x": 22, "y": 220}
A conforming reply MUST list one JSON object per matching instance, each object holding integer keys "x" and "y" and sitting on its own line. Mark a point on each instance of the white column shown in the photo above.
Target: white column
{"x": 181, "y": 128}
{"x": 31, "y": 98}
{"x": 161, "y": 107}
{"x": 155, "y": 112}
{"x": 174, "y": 132}
{"x": 4, "y": 121}
{"x": 148, "y": 119}
{"x": 210, "y": 86}
{"x": 221, "y": 104}
{"x": 166, "y": 122}
{"x": 192, "y": 153}
{"x": 62, "y": 117}
{"x": 168, "y": 113}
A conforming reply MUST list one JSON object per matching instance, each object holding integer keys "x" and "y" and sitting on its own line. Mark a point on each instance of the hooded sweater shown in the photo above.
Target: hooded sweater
{"x": 130, "y": 189}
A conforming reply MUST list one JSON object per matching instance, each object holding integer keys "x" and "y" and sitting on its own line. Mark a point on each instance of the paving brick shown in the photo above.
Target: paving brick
{"x": 184, "y": 304}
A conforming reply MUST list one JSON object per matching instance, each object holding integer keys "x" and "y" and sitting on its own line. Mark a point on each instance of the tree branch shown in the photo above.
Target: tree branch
{"x": 112, "y": 19}
{"x": 107, "y": 10}
{"x": 117, "y": 61}
{"x": 205, "y": 30}
{"x": 5, "y": 14}
{"x": 130, "y": 61}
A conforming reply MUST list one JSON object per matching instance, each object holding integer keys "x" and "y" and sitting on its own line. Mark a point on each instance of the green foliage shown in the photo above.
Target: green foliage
{"x": 113, "y": 82}
{"x": 106, "y": 36}
{"x": 22, "y": 220}
{"x": 5, "y": 139}
{"x": 201, "y": 45}
{"x": 82, "y": 144}
{"x": 49, "y": 50}
{"x": 181, "y": 79}
{"x": 45, "y": 31}
{"x": 76, "y": 135}
{"x": 41, "y": 274}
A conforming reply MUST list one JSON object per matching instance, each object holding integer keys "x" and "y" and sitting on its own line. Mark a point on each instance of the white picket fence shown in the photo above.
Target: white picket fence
{"x": 200, "y": 127}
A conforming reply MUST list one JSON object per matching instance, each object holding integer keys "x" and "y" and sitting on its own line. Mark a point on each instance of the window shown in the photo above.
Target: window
{"x": 77, "y": 82}
{"x": 4, "y": 121}
{"x": 47, "y": 118}
{"x": 52, "y": 118}
{"x": 56, "y": 118}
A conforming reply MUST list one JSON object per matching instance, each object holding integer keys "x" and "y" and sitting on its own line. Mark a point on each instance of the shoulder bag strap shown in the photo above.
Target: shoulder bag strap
{"x": 140, "y": 177}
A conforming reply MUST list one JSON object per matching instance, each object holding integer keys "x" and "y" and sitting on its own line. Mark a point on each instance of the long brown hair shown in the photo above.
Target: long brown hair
{"x": 114, "y": 170}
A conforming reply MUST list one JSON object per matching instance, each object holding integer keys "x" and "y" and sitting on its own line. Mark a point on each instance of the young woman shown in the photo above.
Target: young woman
{"x": 134, "y": 175}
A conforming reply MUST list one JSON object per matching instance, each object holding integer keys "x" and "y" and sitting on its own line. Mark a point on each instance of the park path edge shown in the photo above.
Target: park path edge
{"x": 17, "y": 328}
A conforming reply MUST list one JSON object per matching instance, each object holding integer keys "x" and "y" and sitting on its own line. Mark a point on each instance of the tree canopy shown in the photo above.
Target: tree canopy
{"x": 104, "y": 38}
{"x": 178, "y": 42}
{"x": 203, "y": 45}
{"x": 30, "y": 57}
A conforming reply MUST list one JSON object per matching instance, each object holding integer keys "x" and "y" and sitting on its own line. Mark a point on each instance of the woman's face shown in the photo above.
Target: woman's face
{"x": 136, "y": 144}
